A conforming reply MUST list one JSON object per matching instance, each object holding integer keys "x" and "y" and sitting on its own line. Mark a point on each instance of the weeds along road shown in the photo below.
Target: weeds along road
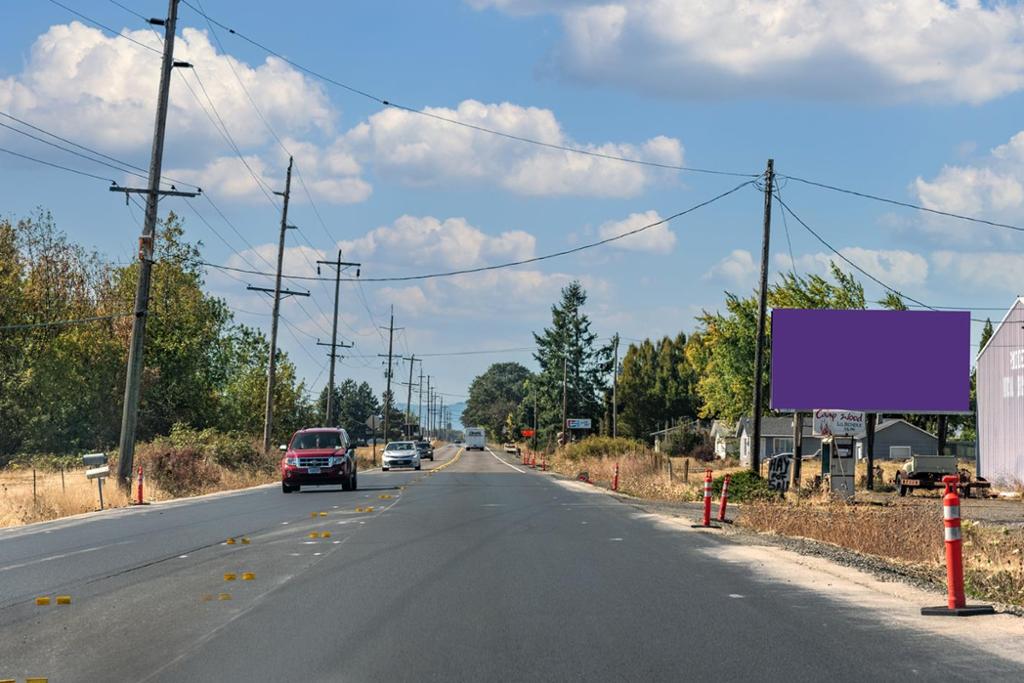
{"x": 479, "y": 571}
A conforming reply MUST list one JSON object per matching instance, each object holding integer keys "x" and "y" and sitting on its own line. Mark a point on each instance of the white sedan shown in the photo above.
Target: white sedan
{"x": 400, "y": 454}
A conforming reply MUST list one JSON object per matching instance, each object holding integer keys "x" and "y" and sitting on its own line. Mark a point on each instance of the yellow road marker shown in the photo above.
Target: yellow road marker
{"x": 245, "y": 540}
{"x": 37, "y": 679}
{"x": 230, "y": 541}
{"x": 230, "y": 576}
{"x": 207, "y": 597}
{"x": 384, "y": 496}
{"x": 248, "y": 576}
{"x": 325, "y": 534}
{"x": 323, "y": 514}
{"x": 224, "y": 596}
{"x": 43, "y": 600}
{"x": 369, "y": 509}
{"x": 63, "y": 599}
{"x": 314, "y": 534}
{"x": 312, "y": 514}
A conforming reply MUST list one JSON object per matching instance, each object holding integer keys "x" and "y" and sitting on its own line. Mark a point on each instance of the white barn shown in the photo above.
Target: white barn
{"x": 1000, "y": 377}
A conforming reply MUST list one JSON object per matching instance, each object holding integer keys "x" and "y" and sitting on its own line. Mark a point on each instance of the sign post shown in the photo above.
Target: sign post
{"x": 99, "y": 470}
{"x": 575, "y": 423}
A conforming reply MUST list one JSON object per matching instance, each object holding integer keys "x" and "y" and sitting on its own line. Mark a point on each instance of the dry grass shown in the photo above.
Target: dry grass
{"x": 908, "y": 534}
{"x": 78, "y": 494}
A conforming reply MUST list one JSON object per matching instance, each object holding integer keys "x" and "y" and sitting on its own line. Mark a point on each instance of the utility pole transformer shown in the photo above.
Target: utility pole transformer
{"x": 133, "y": 380}
{"x": 268, "y": 419}
{"x": 755, "y": 453}
{"x": 338, "y": 265}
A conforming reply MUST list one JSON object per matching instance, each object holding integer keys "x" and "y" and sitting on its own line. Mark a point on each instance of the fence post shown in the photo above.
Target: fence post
{"x": 33, "y": 485}
{"x": 686, "y": 470}
{"x": 62, "y": 489}
{"x": 670, "y": 470}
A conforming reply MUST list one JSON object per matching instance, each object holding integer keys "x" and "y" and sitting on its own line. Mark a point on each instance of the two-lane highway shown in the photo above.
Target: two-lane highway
{"x": 482, "y": 570}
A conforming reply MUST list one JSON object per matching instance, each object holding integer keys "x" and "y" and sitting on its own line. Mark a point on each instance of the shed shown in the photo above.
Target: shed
{"x": 1000, "y": 391}
{"x": 893, "y": 437}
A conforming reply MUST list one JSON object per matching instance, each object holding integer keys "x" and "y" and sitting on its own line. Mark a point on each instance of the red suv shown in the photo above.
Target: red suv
{"x": 318, "y": 456}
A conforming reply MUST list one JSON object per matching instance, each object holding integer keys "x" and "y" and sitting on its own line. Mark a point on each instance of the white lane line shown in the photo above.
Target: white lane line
{"x": 505, "y": 463}
{"x": 735, "y": 595}
{"x": 61, "y": 556}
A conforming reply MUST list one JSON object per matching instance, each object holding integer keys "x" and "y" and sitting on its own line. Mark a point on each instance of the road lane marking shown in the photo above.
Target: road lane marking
{"x": 507, "y": 464}
{"x": 60, "y": 556}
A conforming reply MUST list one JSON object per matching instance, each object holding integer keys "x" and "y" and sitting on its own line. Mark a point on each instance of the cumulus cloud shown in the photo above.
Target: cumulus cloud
{"x": 895, "y": 267}
{"x": 449, "y": 243}
{"x": 738, "y": 268}
{"x": 983, "y": 270}
{"x": 937, "y": 50}
{"x": 422, "y": 151}
{"x": 659, "y": 239}
{"x": 992, "y": 187}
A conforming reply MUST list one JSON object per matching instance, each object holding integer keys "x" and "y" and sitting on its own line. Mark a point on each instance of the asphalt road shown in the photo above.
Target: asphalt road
{"x": 477, "y": 572}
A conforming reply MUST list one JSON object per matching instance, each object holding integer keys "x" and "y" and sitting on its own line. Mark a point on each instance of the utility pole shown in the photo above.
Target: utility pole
{"x": 565, "y": 403}
{"x": 426, "y": 425}
{"x": 268, "y": 420}
{"x": 133, "y": 380}
{"x": 419, "y": 401}
{"x": 534, "y": 419}
{"x": 387, "y": 394}
{"x": 755, "y": 453}
{"x": 408, "y": 400}
{"x": 615, "y": 387}
{"x": 338, "y": 265}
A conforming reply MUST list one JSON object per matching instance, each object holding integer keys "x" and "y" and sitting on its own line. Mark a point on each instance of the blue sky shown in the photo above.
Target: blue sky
{"x": 920, "y": 103}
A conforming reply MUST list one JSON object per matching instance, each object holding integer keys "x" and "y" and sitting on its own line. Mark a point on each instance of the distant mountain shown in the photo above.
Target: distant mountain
{"x": 456, "y": 409}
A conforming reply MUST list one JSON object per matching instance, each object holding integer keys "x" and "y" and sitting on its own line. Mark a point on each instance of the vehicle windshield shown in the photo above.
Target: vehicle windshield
{"x": 308, "y": 441}
{"x": 400, "y": 446}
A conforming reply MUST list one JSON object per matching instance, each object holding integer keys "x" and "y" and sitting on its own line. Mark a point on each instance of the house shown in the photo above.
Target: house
{"x": 898, "y": 439}
{"x": 723, "y": 436}
{"x": 894, "y": 439}
{"x": 1000, "y": 375}
{"x": 776, "y": 437}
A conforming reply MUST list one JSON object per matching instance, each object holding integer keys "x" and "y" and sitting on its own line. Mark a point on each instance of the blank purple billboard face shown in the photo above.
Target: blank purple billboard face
{"x": 872, "y": 361}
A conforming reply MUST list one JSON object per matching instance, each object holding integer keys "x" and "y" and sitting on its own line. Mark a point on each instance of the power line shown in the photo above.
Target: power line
{"x": 65, "y": 323}
{"x": 53, "y": 165}
{"x": 509, "y": 264}
{"x": 457, "y": 122}
{"x": 907, "y": 205}
{"x": 105, "y": 27}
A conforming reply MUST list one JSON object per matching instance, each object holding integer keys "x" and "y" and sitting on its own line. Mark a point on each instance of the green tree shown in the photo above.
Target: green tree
{"x": 356, "y": 404}
{"x": 657, "y": 384}
{"x": 495, "y": 395}
{"x": 570, "y": 344}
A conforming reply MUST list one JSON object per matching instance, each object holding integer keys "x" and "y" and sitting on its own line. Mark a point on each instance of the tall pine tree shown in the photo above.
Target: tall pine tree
{"x": 570, "y": 341}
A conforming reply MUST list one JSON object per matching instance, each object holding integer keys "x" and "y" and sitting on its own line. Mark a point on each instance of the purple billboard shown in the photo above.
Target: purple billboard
{"x": 872, "y": 361}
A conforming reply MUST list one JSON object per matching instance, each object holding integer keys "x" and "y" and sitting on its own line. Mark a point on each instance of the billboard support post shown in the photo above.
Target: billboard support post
{"x": 755, "y": 454}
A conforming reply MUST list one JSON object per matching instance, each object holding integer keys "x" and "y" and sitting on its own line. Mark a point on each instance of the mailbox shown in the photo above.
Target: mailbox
{"x": 94, "y": 459}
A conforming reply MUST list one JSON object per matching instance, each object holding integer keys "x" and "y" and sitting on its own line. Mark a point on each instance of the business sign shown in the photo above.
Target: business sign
{"x": 527, "y": 432}
{"x": 577, "y": 423}
{"x": 839, "y": 423}
{"x": 871, "y": 361}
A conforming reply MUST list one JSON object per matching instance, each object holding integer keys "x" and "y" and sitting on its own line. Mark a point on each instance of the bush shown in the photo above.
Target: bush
{"x": 601, "y": 447}
{"x": 744, "y": 486}
{"x": 683, "y": 442}
{"x": 703, "y": 452}
{"x": 177, "y": 470}
{"x": 231, "y": 450}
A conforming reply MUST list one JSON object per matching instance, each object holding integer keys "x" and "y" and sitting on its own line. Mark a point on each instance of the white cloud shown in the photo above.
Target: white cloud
{"x": 102, "y": 90}
{"x": 738, "y": 268}
{"x": 449, "y": 243}
{"x": 422, "y": 151}
{"x": 895, "y": 267}
{"x": 937, "y": 50}
{"x": 983, "y": 270}
{"x": 992, "y": 187}
{"x": 658, "y": 239}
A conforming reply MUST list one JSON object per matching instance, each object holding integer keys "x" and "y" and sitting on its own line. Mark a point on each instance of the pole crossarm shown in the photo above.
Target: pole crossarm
{"x": 283, "y": 292}
{"x": 143, "y": 190}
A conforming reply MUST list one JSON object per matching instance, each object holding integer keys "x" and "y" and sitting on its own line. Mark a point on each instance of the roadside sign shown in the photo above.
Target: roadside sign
{"x": 374, "y": 422}
{"x": 839, "y": 423}
{"x": 99, "y": 470}
{"x": 527, "y": 432}
{"x": 577, "y": 423}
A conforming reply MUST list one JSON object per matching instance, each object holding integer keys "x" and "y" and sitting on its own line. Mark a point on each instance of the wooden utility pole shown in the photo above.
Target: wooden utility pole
{"x": 565, "y": 397}
{"x": 425, "y": 426}
{"x": 268, "y": 420}
{"x": 869, "y": 443}
{"x": 133, "y": 379}
{"x": 408, "y": 400}
{"x": 387, "y": 393}
{"x": 798, "y": 450}
{"x": 615, "y": 386}
{"x": 419, "y": 402}
{"x": 762, "y": 304}
{"x": 534, "y": 418}
{"x": 338, "y": 266}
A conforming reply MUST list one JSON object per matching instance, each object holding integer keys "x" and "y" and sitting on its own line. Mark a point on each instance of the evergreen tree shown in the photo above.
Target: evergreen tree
{"x": 569, "y": 343}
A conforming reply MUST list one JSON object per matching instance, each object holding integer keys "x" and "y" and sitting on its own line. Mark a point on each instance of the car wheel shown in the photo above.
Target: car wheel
{"x": 355, "y": 480}
{"x": 296, "y": 487}
{"x": 285, "y": 488}
{"x": 431, "y": 458}
{"x": 417, "y": 467}
{"x": 346, "y": 483}
{"x": 384, "y": 469}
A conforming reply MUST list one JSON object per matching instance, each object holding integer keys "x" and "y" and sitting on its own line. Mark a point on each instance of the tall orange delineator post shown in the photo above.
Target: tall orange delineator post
{"x": 138, "y": 493}
{"x": 707, "y": 497}
{"x": 615, "y": 479}
{"x": 956, "y": 603}
{"x": 724, "y": 499}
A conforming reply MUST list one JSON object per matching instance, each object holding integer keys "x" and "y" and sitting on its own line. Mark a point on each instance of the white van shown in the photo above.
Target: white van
{"x": 476, "y": 438}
